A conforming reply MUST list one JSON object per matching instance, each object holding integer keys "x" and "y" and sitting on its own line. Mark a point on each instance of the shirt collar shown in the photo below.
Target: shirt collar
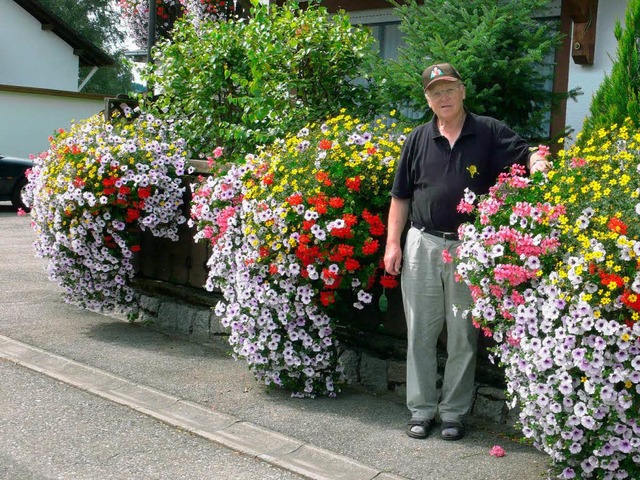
{"x": 468, "y": 127}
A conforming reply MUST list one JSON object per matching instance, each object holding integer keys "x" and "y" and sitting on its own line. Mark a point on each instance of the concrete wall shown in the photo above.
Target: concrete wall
{"x": 589, "y": 77}
{"x": 28, "y": 119}
{"x": 32, "y": 57}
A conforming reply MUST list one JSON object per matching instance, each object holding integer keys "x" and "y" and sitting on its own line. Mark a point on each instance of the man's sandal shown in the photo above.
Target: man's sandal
{"x": 417, "y": 428}
{"x": 452, "y": 430}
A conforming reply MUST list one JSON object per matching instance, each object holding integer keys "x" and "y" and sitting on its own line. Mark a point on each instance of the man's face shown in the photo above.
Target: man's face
{"x": 446, "y": 99}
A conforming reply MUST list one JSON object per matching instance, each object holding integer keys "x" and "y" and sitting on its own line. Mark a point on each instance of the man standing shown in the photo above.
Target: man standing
{"x": 454, "y": 151}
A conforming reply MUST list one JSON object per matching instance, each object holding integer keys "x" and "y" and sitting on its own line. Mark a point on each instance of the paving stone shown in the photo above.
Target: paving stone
{"x": 201, "y": 323}
{"x": 373, "y": 373}
{"x": 150, "y": 304}
{"x": 168, "y": 314}
{"x": 397, "y": 371}
{"x": 350, "y": 362}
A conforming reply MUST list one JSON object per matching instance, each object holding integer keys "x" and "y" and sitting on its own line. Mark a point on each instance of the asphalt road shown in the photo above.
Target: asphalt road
{"x": 53, "y": 431}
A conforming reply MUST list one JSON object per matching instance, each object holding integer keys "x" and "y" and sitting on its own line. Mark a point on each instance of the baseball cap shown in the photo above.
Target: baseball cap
{"x": 437, "y": 72}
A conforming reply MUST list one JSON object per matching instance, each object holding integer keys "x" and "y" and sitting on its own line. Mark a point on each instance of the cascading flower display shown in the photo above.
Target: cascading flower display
{"x": 553, "y": 265}
{"x": 136, "y": 15}
{"x": 296, "y": 231}
{"x": 93, "y": 191}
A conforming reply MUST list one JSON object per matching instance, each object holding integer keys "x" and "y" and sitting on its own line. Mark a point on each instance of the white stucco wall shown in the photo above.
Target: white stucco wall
{"x": 32, "y": 57}
{"x": 589, "y": 77}
{"x": 34, "y": 117}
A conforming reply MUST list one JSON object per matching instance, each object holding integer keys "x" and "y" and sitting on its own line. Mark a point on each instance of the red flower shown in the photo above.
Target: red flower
{"x": 135, "y": 248}
{"x": 376, "y": 227}
{"x": 268, "y": 179}
{"x": 345, "y": 250}
{"x": 631, "y": 300}
{"x": 307, "y": 255}
{"x": 132, "y": 215}
{"x": 304, "y": 239}
{"x": 273, "y": 269}
{"x": 370, "y": 246}
{"x": 144, "y": 192}
{"x": 78, "y": 182}
{"x": 336, "y": 202}
{"x": 617, "y": 225}
{"x": 388, "y": 281}
{"x": 295, "y": 199}
{"x": 344, "y": 232}
{"x": 372, "y": 150}
{"x": 351, "y": 265}
{"x": 124, "y": 190}
{"x": 323, "y": 177}
{"x": 608, "y": 278}
{"x": 353, "y": 183}
{"x": 349, "y": 219}
{"x": 307, "y": 224}
{"x": 327, "y": 298}
{"x": 325, "y": 144}
{"x": 321, "y": 208}
{"x": 263, "y": 251}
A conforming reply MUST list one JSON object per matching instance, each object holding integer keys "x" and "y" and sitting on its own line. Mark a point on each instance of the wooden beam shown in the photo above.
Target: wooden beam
{"x": 584, "y": 14}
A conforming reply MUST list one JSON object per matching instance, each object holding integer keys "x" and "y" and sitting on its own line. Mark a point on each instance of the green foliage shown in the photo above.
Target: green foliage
{"x": 501, "y": 52}
{"x": 244, "y": 82}
{"x": 619, "y": 94}
{"x": 98, "y": 22}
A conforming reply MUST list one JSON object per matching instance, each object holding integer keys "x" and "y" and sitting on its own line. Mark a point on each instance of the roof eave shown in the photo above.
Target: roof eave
{"x": 88, "y": 53}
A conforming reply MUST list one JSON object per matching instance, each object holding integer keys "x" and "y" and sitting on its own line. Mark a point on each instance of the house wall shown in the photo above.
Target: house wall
{"x": 32, "y": 57}
{"x": 34, "y": 117}
{"x": 589, "y": 77}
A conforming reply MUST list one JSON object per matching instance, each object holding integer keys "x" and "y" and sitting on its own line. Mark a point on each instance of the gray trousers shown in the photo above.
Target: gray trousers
{"x": 430, "y": 296}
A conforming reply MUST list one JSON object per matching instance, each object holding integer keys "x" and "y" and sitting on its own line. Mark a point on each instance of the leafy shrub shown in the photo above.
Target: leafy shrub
{"x": 501, "y": 52}
{"x": 244, "y": 82}
{"x": 91, "y": 193}
{"x": 292, "y": 230}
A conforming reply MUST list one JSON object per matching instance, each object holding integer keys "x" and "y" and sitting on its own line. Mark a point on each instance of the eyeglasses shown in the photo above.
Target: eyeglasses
{"x": 440, "y": 94}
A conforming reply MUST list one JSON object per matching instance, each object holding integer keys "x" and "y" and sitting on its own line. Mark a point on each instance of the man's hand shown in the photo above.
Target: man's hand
{"x": 398, "y": 214}
{"x": 539, "y": 163}
{"x": 392, "y": 259}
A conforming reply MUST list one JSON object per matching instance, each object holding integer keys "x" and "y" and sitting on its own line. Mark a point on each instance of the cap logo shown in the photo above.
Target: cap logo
{"x": 436, "y": 72}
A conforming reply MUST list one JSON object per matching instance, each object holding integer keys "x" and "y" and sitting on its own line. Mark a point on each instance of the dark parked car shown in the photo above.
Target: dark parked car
{"x": 13, "y": 179}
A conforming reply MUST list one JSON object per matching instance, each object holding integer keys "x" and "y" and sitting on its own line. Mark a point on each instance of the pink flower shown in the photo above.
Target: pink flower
{"x": 21, "y": 212}
{"x": 543, "y": 151}
{"x": 497, "y": 451}
{"x": 465, "y": 207}
{"x": 446, "y": 256}
{"x": 217, "y": 153}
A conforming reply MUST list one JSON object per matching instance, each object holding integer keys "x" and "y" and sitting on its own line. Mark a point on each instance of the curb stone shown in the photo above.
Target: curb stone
{"x": 245, "y": 437}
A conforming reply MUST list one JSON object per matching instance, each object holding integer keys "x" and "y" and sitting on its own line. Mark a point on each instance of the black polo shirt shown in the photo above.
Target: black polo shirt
{"x": 434, "y": 175}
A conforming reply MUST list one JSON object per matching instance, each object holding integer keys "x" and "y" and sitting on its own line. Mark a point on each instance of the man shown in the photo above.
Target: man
{"x": 441, "y": 158}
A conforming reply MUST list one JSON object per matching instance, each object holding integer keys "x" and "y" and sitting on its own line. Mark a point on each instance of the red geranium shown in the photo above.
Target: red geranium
{"x": 617, "y": 225}
{"x": 132, "y": 215}
{"x": 353, "y": 183}
{"x": 325, "y": 144}
{"x": 388, "y": 281}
